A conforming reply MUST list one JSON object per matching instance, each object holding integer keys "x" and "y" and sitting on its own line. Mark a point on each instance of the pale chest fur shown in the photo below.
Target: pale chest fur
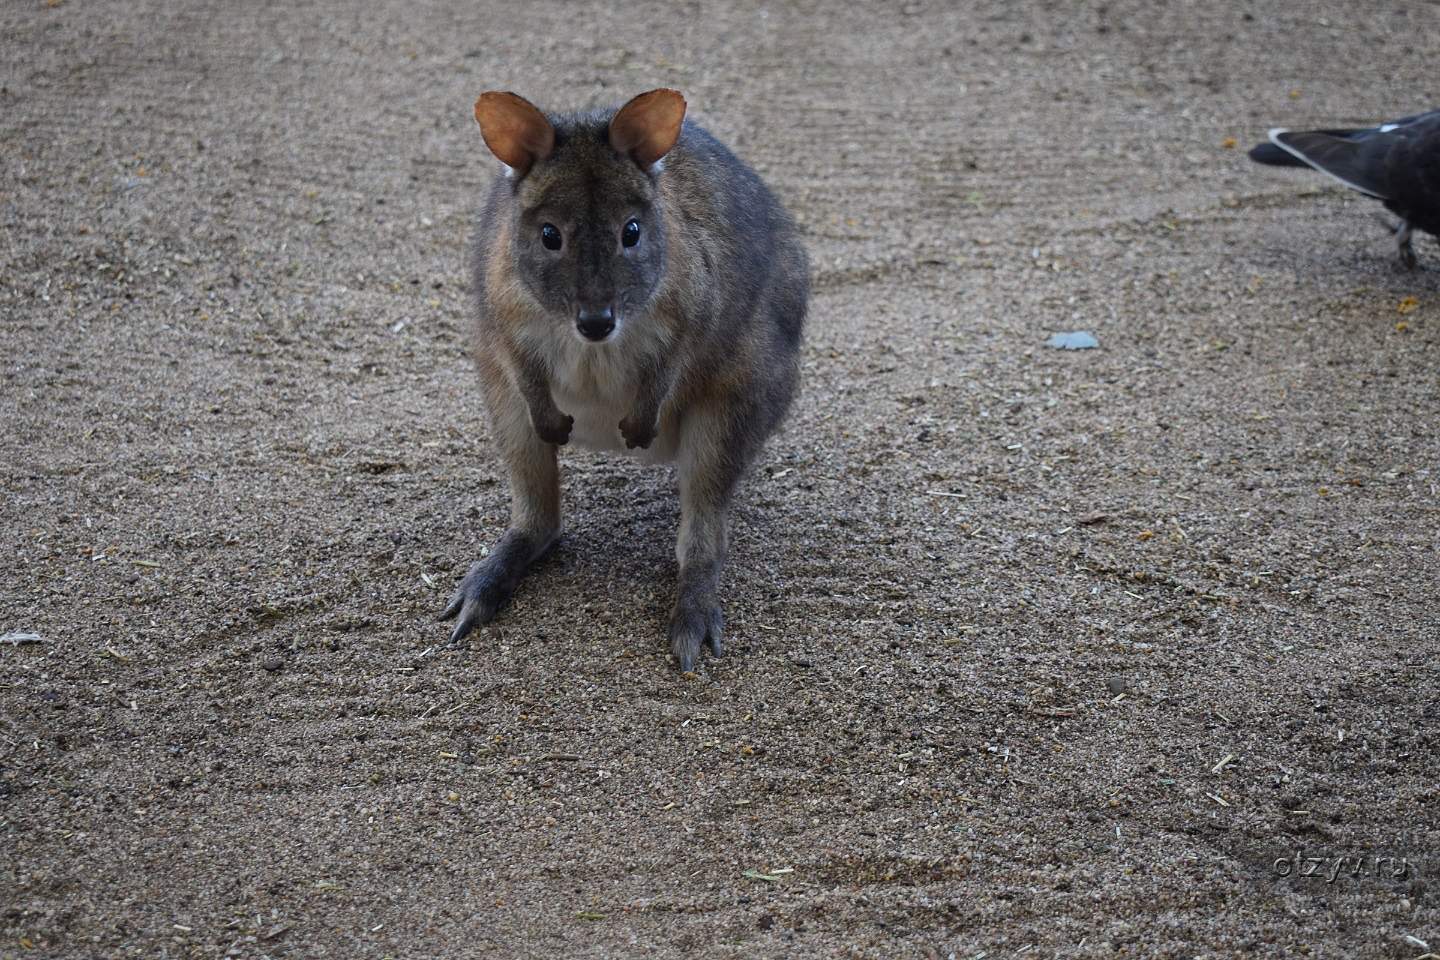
{"x": 596, "y": 384}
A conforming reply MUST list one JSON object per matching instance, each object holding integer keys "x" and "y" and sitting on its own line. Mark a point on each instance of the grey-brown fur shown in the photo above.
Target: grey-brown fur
{"x": 708, "y": 308}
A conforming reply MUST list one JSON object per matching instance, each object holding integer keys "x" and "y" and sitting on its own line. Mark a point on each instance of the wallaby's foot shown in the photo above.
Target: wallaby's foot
{"x": 554, "y": 427}
{"x": 638, "y": 432}
{"x": 479, "y": 597}
{"x": 491, "y": 581}
{"x": 694, "y": 624}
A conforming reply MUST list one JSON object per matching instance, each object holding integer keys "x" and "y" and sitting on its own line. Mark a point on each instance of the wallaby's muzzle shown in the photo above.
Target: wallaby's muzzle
{"x": 596, "y": 325}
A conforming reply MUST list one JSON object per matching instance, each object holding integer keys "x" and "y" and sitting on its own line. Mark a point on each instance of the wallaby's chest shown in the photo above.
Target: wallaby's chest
{"x": 598, "y": 387}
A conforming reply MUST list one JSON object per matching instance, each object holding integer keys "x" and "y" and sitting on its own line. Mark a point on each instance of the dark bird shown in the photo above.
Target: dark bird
{"x": 1397, "y": 163}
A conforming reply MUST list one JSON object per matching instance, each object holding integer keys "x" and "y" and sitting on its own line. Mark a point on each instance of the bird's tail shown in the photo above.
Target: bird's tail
{"x": 1271, "y": 155}
{"x": 1353, "y": 157}
{"x": 1276, "y": 156}
{"x": 1343, "y": 154}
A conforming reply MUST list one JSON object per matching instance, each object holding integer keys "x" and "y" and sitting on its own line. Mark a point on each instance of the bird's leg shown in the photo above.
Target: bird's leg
{"x": 1404, "y": 246}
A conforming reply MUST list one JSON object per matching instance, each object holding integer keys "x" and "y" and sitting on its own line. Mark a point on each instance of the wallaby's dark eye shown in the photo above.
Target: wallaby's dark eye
{"x": 550, "y": 237}
{"x": 631, "y": 234}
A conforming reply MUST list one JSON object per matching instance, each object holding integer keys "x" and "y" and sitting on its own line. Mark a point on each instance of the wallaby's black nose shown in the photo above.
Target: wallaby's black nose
{"x": 595, "y": 324}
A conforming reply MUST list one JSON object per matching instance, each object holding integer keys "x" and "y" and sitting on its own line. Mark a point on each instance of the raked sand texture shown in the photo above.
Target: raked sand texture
{"x": 1032, "y": 652}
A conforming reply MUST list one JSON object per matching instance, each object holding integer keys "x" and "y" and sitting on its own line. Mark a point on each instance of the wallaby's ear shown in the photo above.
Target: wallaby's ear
{"x": 514, "y": 129}
{"x": 648, "y": 126}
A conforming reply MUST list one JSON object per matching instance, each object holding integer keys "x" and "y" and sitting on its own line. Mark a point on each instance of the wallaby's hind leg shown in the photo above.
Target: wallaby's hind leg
{"x": 713, "y": 455}
{"x": 534, "y": 524}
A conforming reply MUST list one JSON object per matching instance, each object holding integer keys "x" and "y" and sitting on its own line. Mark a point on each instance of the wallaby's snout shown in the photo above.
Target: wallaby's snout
{"x": 596, "y": 283}
{"x": 596, "y": 325}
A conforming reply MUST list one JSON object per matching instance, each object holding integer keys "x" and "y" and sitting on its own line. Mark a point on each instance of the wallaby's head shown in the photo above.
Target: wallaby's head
{"x": 588, "y": 240}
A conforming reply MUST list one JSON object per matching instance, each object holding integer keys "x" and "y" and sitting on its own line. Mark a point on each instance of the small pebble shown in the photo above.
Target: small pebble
{"x": 1073, "y": 340}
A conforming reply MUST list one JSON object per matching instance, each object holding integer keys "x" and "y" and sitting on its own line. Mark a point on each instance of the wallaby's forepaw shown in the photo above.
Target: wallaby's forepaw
{"x": 479, "y": 596}
{"x": 555, "y": 428}
{"x": 693, "y": 625}
{"x": 638, "y": 433}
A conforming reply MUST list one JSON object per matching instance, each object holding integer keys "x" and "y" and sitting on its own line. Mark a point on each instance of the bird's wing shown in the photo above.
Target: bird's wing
{"x": 1428, "y": 117}
{"x": 1414, "y": 173}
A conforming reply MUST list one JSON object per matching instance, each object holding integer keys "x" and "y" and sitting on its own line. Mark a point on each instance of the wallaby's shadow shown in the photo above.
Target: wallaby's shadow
{"x": 616, "y": 555}
{"x": 621, "y": 520}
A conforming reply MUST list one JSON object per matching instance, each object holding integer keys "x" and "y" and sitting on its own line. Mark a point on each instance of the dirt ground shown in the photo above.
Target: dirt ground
{"x": 1032, "y": 652}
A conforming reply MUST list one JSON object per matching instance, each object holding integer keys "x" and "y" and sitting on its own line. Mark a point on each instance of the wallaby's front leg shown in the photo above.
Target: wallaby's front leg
{"x": 534, "y": 522}
{"x": 713, "y": 455}
{"x": 643, "y": 421}
{"x": 552, "y": 425}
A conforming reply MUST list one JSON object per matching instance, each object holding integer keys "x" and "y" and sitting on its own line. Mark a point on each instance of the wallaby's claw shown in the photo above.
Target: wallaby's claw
{"x": 477, "y": 599}
{"x": 693, "y": 625}
{"x": 557, "y": 430}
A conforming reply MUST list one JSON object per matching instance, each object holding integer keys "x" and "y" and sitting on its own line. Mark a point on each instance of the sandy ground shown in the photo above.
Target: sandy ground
{"x": 1032, "y": 652}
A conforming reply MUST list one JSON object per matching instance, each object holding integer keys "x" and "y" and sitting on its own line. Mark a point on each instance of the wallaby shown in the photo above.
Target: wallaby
{"x": 639, "y": 289}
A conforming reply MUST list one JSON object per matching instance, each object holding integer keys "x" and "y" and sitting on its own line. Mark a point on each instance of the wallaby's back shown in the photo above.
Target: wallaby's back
{"x": 742, "y": 261}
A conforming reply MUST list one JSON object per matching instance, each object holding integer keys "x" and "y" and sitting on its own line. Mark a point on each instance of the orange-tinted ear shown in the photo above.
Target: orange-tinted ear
{"x": 514, "y": 129}
{"x": 648, "y": 126}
